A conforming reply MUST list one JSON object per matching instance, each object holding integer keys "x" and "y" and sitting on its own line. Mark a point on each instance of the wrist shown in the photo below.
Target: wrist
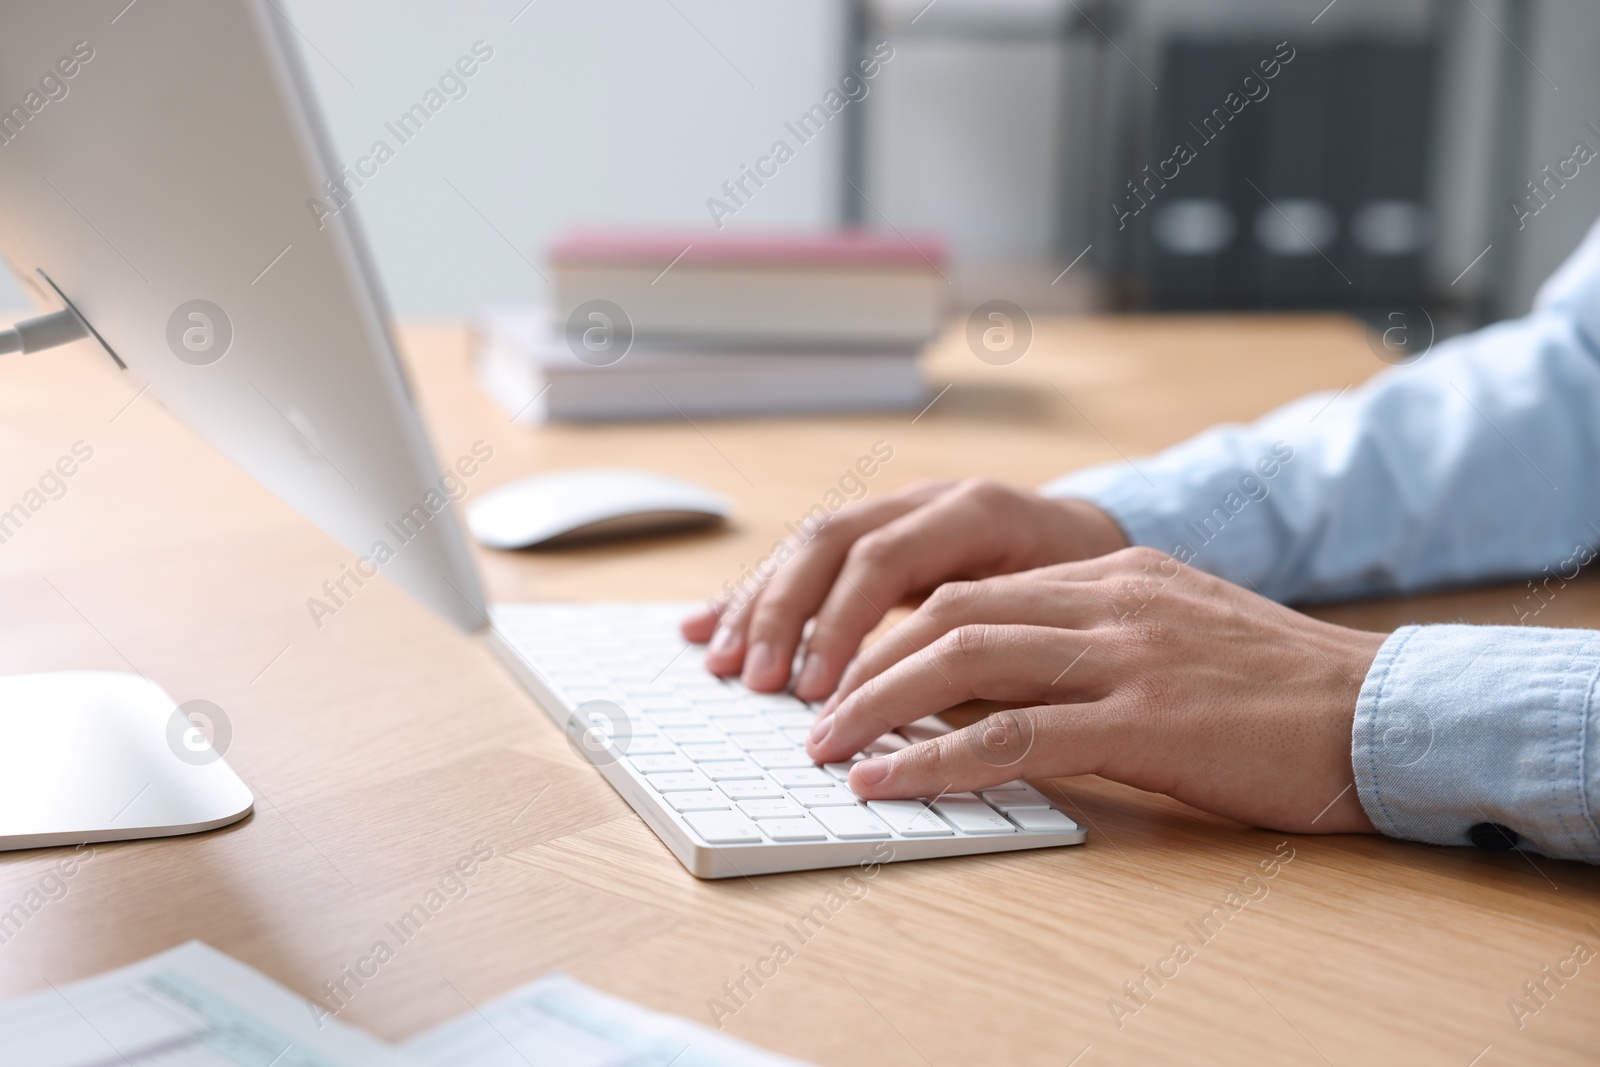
{"x": 1353, "y": 653}
{"x": 1085, "y": 530}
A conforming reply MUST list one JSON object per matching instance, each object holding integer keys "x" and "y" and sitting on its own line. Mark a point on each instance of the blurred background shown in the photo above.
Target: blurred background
{"x": 1380, "y": 166}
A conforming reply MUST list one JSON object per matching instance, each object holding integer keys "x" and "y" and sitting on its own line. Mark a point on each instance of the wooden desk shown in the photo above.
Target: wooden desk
{"x": 382, "y": 746}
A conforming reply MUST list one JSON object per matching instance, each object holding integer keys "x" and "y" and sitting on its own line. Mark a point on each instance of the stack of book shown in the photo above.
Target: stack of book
{"x": 647, "y": 326}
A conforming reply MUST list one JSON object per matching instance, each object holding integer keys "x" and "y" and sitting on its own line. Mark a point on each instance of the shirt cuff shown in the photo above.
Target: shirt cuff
{"x": 1463, "y": 730}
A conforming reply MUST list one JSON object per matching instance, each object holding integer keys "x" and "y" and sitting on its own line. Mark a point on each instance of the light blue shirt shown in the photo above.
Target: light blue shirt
{"x": 1481, "y": 461}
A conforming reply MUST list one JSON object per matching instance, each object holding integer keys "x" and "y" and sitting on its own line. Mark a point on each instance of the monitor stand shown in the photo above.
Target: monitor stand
{"x": 90, "y": 756}
{"x": 106, "y": 756}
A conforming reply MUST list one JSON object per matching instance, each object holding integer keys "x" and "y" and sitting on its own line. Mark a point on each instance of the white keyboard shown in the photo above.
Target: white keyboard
{"x": 720, "y": 773}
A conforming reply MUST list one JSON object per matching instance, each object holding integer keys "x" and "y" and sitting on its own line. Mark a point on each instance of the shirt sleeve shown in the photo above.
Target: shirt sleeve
{"x": 1475, "y": 462}
{"x": 1461, "y": 726}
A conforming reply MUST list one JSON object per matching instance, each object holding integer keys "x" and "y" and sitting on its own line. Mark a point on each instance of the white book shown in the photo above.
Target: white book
{"x": 524, "y": 361}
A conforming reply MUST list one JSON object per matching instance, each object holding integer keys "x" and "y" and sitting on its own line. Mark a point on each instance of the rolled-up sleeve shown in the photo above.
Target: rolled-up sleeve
{"x": 1462, "y": 732}
{"x": 1478, "y": 462}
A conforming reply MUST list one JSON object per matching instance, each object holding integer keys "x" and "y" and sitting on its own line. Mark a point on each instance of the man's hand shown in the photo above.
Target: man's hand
{"x": 873, "y": 555}
{"x": 1131, "y": 666}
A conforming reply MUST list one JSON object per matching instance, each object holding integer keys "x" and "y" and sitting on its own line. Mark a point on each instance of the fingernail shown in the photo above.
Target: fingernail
{"x": 758, "y": 662}
{"x": 820, "y": 728}
{"x": 810, "y": 674}
{"x": 870, "y": 771}
{"x": 724, "y": 641}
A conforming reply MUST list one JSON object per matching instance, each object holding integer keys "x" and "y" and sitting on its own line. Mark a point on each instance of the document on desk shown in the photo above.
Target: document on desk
{"x": 560, "y": 1022}
{"x": 191, "y": 1006}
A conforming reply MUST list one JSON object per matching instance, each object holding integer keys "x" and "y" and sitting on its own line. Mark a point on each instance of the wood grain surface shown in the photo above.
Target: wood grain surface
{"x": 382, "y": 747}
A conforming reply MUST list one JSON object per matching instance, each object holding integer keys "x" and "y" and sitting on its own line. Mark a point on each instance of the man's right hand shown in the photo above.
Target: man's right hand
{"x": 874, "y": 555}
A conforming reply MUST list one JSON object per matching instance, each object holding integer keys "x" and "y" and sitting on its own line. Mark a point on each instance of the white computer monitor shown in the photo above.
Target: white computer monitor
{"x": 163, "y": 169}
{"x": 165, "y": 192}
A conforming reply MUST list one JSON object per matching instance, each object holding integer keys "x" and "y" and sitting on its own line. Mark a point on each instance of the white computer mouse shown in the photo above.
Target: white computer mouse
{"x": 582, "y": 504}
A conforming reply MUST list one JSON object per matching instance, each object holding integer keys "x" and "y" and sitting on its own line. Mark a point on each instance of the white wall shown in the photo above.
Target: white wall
{"x": 619, "y": 111}
{"x": 590, "y": 111}
{"x": 963, "y": 138}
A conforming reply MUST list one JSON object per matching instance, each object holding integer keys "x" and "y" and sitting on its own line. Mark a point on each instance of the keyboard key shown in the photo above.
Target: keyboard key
{"x": 653, "y": 764}
{"x": 707, "y": 689}
{"x": 852, "y": 824}
{"x": 690, "y": 735}
{"x": 699, "y": 800}
{"x": 639, "y": 725}
{"x": 740, "y": 721}
{"x": 751, "y": 790}
{"x": 1009, "y": 798}
{"x": 909, "y": 818}
{"x": 764, "y": 742}
{"x": 787, "y": 758}
{"x": 777, "y": 808}
{"x": 665, "y": 719}
{"x": 1043, "y": 820}
{"x": 643, "y": 696}
{"x": 730, "y": 770}
{"x": 797, "y": 735}
{"x": 711, "y": 750}
{"x": 972, "y": 816}
{"x": 657, "y": 706}
{"x": 791, "y": 720}
{"x": 798, "y": 776}
{"x": 777, "y": 702}
{"x": 709, "y": 698}
{"x": 678, "y": 783}
{"x": 823, "y": 796}
{"x": 805, "y": 828}
{"x": 724, "y": 828}
{"x": 649, "y": 745}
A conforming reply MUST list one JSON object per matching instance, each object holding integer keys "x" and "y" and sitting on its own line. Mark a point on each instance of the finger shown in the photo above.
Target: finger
{"x": 725, "y": 649}
{"x": 1024, "y": 600}
{"x": 770, "y": 628}
{"x": 697, "y": 627}
{"x": 994, "y": 662}
{"x": 1037, "y": 742}
{"x": 717, "y": 626}
{"x": 1074, "y": 595}
{"x": 950, "y": 538}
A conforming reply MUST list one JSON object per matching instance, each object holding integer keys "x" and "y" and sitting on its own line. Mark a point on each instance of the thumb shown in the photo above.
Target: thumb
{"x": 1043, "y": 742}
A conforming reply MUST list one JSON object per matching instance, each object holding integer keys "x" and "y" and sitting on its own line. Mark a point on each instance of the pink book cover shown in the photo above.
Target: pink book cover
{"x": 820, "y": 250}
